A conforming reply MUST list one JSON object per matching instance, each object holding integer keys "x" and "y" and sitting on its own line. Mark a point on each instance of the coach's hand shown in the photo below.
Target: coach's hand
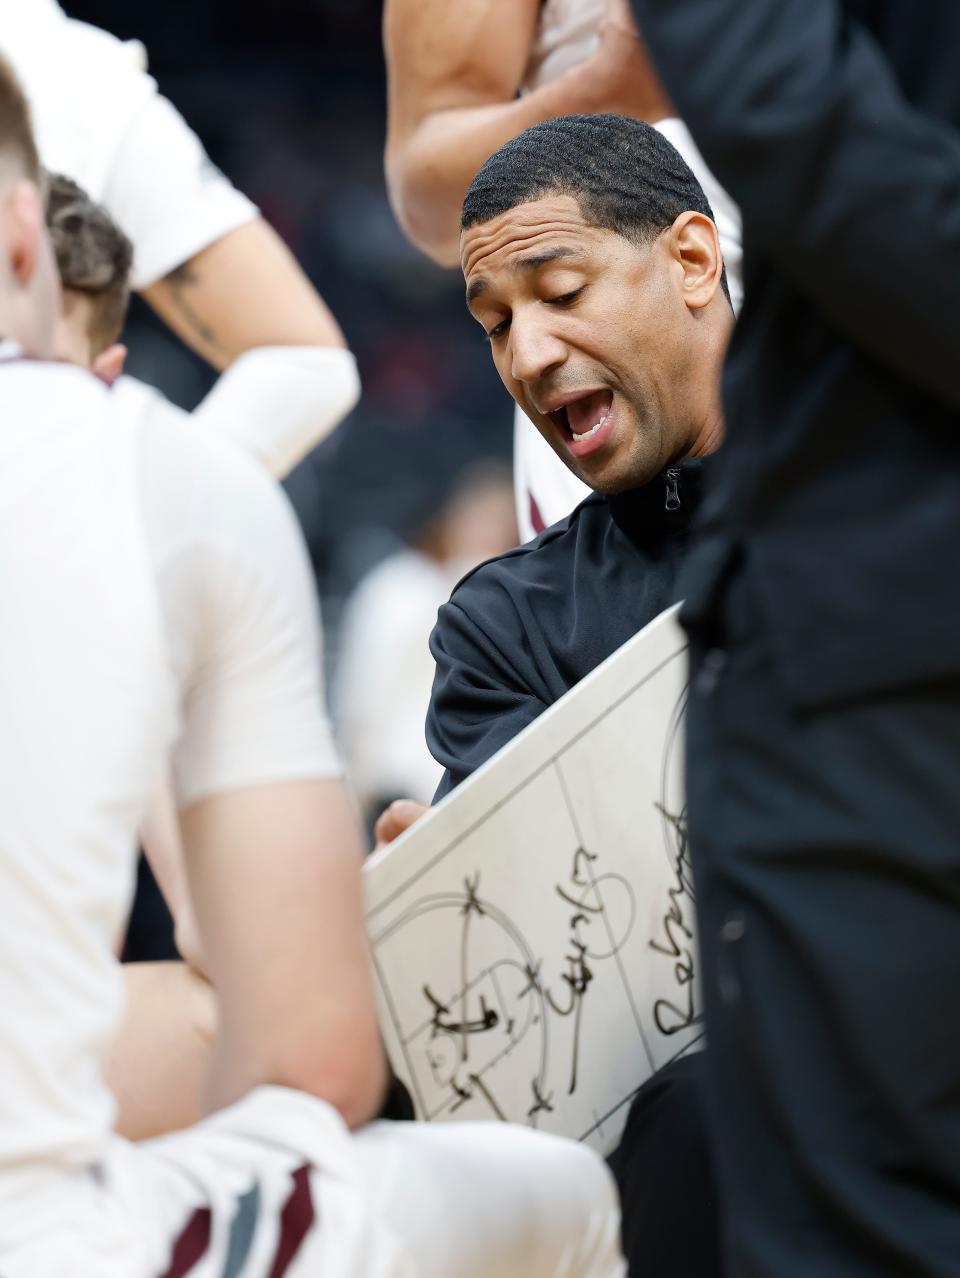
{"x": 392, "y": 821}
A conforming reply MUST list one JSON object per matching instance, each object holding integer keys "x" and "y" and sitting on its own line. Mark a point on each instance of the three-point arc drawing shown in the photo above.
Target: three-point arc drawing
{"x": 533, "y": 936}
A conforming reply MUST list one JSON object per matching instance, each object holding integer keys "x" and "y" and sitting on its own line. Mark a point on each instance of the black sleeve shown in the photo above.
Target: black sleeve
{"x": 480, "y": 700}
{"x": 849, "y": 190}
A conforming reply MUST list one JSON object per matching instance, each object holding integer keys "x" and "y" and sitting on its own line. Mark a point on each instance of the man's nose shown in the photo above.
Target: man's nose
{"x": 534, "y": 350}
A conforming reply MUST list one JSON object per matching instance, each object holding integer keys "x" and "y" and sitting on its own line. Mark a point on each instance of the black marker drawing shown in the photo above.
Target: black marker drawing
{"x": 489, "y": 1002}
{"x": 675, "y": 938}
{"x": 541, "y": 1104}
{"x": 544, "y": 924}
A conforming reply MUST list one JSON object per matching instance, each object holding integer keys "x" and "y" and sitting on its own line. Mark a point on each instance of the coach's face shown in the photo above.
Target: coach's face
{"x": 606, "y": 344}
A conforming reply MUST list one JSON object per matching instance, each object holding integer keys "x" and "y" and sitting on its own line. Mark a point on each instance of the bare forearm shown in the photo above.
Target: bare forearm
{"x": 158, "y": 1059}
{"x": 245, "y": 290}
{"x": 428, "y": 173}
{"x": 275, "y": 876}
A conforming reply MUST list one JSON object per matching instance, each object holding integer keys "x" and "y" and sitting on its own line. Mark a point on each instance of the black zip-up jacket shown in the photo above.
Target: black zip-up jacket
{"x": 520, "y": 630}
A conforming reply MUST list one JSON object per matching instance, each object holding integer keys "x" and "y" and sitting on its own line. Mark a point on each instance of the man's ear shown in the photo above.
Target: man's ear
{"x": 108, "y": 365}
{"x": 25, "y": 226}
{"x": 695, "y": 246}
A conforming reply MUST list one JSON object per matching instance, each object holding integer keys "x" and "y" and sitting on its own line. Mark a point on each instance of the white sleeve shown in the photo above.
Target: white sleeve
{"x": 240, "y": 616}
{"x": 725, "y": 211}
{"x": 167, "y": 194}
{"x": 279, "y": 402}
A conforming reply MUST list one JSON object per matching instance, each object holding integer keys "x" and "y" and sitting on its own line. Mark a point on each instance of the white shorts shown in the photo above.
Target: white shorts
{"x": 276, "y": 1187}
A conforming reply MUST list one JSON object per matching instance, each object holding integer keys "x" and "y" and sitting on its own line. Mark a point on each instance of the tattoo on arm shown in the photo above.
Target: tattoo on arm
{"x": 179, "y": 282}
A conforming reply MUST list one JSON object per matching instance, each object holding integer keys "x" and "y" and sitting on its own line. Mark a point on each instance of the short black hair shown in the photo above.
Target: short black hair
{"x": 625, "y": 175}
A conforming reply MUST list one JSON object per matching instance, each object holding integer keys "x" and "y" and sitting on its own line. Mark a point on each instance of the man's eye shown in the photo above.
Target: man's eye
{"x": 498, "y": 330}
{"x": 566, "y": 298}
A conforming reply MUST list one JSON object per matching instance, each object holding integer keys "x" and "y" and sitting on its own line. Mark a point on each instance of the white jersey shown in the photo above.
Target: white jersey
{"x": 157, "y": 602}
{"x": 567, "y": 35}
{"x": 99, "y": 119}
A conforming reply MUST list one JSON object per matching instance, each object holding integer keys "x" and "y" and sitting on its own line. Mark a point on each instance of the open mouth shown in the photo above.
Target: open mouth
{"x": 582, "y": 420}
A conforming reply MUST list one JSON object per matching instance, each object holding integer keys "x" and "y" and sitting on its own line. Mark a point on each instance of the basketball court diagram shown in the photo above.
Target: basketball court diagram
{"x": 533, "y": 937}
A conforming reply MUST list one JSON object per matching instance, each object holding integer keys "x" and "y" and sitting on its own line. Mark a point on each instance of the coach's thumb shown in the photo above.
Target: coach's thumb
{"x": 395, "y": 819}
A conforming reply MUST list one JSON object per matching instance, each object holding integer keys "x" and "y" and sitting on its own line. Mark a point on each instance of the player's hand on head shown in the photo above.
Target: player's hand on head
{"x": 394, "y": 820}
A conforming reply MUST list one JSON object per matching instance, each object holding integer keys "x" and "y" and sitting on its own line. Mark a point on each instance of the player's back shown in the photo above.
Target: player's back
{"x": 159, "y": 611}
{"x": 98, "y": 679}
{"x": 87, "y": 709}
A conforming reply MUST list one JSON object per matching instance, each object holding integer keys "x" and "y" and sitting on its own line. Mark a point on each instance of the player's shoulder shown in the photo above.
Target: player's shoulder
{"x": 63, "y": 402}
{"x": 61, "y": 59}
{"x": 15, "y": 362}
{"x": 502, "y": 598}
{"x": 131, "y": 397}
{"x": 175, "y": 451}
{"x": 205, "y": 495}
{"x": 51, "y": 394}
{"x": 65, "y": 40}
{"x": 547, "y": 559}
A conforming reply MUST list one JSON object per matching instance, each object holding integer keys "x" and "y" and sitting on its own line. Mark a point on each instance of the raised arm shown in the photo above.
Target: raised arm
{"x": 224, "y": 282}
{"x": 244, "y": 290}
{"x": 454, "y": 72}
{"x": 203, "y": 257}
{"x": 243, "y": 302}
{"x": 851, "y": 191}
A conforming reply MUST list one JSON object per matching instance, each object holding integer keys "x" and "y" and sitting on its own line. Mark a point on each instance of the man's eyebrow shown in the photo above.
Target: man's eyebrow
{"x": 536, "y": 260}
{"x": 531, "y": 263}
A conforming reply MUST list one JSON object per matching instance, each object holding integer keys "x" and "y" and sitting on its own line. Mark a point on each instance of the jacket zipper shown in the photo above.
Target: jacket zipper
{"x": 672, "y": 501}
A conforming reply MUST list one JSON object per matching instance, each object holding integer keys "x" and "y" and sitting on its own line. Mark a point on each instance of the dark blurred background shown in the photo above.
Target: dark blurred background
{"x": 289, "y": 99}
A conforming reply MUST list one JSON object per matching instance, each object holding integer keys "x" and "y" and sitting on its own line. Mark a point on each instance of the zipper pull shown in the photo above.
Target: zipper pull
{"x": 672, "y": 501}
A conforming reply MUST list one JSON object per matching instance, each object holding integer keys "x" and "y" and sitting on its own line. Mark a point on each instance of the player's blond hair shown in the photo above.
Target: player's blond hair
{"x": 16, "y": 128}
{"x": 93, "y": 255}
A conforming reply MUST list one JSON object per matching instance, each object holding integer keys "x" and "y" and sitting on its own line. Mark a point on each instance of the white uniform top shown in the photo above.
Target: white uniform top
{"x": 567, "y": 35}
{"x": 99, "y": 119}
{"x": 157, "y": 603}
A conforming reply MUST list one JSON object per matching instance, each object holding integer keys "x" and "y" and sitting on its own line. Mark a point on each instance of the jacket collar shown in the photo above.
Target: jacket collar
{"x": 668, "y": 503}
